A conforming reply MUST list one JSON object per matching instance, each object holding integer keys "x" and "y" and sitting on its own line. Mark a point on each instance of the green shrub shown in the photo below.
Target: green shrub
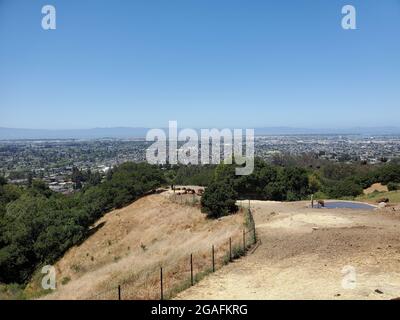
{"x": 393, "y": 186}
{"x": 345, "y": 188}
{"x": 65, "y": 280}
{"x": 219, "y": 199}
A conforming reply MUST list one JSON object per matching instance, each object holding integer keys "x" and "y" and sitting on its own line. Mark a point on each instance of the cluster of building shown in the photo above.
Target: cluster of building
{"x": 54, "y": 160}
{"x": 371, "y": 149}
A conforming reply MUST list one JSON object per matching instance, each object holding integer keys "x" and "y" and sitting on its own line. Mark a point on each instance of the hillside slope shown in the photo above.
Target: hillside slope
{"x": 128, "y": 246}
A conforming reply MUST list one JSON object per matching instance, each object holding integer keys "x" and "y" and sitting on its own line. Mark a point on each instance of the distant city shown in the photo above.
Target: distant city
{"x": 54, "y": 160}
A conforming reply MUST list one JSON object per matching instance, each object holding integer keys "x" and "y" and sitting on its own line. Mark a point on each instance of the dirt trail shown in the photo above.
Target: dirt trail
{"x": 311, "y": 254}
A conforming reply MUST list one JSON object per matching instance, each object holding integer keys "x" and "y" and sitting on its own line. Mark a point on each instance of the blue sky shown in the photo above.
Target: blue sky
{"x": 204, "y": 63}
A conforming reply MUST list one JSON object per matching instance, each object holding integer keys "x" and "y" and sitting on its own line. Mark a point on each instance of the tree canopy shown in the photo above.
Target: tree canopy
{"x": 37, "y": 225}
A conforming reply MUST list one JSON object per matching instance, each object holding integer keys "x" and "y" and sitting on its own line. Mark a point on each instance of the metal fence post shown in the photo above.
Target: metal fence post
{"x": 230, "y": 249}
{"x": 161, "y": 284}
{"x": 213, "y": 259}
{"x": 119, "y": 292}
{"x": 191, "y": 269}
{"x": 244, "y": 241}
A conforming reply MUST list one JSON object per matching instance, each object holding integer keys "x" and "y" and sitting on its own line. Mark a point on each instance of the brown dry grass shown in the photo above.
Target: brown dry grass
{"x": 129, "y": 245}
{"x": 376, "y": 187}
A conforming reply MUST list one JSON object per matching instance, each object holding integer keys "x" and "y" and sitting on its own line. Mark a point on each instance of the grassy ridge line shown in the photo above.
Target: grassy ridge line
{"x": 393, "y": 196}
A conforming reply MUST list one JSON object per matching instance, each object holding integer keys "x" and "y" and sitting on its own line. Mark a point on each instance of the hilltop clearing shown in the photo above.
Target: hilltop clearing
{"x": 312, "y": 254}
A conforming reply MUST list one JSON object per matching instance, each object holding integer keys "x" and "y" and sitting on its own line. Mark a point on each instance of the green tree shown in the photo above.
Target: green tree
{"x": 344, "y": 188}
{"x": 77, "y": 178}
{"x": 393, "y": 186}
{"x": 219, "y": 199}
{"x": 3, "y": 180}
{"x": 37, "y": 225}
{"x": 275, "y": 191}
{"x": 314, "y": 183}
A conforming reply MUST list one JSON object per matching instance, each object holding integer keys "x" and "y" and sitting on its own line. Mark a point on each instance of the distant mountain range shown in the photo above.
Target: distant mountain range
{"x": 130, "y": 132}
{"x": 95, "y": 133}
{"x": 353, "y": 130}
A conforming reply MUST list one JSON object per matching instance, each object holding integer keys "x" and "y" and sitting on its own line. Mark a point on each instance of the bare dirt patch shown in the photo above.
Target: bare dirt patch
{"x": 376, "y": 187}
{"x": 307, "y": 253}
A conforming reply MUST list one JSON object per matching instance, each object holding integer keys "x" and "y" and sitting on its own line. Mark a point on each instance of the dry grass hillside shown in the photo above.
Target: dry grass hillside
{"x": 128, "y": 246}
{"x": 376, "y": 187}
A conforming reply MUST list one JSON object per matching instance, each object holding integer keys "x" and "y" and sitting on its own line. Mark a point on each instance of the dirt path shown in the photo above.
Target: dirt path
{"x": 312, "y": 254}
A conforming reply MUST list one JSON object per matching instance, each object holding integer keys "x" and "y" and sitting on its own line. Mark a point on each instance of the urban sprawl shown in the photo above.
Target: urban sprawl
{"x": 55, "y": 160}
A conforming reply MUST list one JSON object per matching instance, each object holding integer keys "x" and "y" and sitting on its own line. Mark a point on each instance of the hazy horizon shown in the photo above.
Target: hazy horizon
{"x": 207, "y": 127}
{"x": 140, "y": 132}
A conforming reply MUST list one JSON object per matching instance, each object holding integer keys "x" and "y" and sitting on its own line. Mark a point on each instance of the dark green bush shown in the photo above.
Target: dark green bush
{"x": 219, "y": 199}
{"x": 393, "y": 186}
